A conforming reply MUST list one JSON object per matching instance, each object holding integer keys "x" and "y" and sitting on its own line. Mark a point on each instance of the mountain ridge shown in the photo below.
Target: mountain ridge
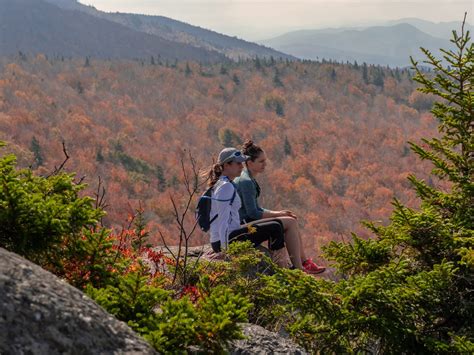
{"x": 383, "y": 45}
{"x": 37, "y": 26}
{"x": 178, "y": 31}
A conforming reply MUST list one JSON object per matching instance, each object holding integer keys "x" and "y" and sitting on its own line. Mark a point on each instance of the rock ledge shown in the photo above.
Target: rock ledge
{"x": 40, "y": 314}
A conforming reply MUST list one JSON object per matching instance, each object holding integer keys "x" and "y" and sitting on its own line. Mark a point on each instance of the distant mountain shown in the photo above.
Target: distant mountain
{"x": 384, "y": 45}
{"x": 35, "y": 26}
{"x": 179, "y": 32}
{"x": 441, "y": 29}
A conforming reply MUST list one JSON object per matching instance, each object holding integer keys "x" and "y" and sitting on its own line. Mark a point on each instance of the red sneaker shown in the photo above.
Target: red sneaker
{"x": 310, "y": 267}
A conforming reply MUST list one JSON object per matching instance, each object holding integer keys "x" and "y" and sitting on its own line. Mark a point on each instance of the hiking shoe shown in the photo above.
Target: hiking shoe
{"x": 310, "y": 267}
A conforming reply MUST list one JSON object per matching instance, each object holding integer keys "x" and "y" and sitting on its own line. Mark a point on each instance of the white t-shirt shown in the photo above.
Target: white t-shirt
{"x": 228, "y": 218}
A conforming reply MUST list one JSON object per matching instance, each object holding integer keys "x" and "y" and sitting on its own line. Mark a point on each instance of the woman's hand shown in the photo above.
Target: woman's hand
{"x": 287, "y": 213}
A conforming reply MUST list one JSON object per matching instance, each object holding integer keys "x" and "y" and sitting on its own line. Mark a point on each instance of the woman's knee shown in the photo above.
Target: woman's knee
{"x": 288, "y": 223}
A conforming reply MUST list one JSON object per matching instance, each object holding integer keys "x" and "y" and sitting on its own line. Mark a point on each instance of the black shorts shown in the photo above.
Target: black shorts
{"x": 267, "y": 230}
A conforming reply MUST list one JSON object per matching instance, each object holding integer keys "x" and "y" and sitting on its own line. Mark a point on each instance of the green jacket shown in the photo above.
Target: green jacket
{"x": 249, "y": 191}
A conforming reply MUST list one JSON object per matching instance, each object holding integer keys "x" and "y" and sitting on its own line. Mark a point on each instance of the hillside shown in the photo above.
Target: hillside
{"x": 382, "y": 45}
{"x": 335, "y": 134}
{"x": 35, "y": 26}
{"x": 179, "y": 32}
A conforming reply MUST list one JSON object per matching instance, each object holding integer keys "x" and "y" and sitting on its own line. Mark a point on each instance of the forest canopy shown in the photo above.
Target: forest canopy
{"x": 336, "y": 134}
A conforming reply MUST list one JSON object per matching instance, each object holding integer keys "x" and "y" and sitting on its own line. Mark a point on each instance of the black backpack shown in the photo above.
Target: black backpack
{"x": 203, "y": 209}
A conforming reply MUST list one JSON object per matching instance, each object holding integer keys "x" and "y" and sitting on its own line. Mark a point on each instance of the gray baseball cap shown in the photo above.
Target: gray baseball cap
{"x": 231, "y": 154}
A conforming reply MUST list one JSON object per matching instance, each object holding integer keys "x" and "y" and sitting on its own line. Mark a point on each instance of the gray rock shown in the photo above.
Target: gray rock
{"x": 205, "y": 252}
{"x": 40, "y": 314}
{"x": 262, "y": 341}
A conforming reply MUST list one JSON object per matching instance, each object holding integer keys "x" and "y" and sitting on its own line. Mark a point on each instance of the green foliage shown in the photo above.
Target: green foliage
{"x": 188, "y": 70}
{"x": 377, "y": 76}
{"x": 287, "y": 147}
{"x": 279, "y": 110}
{"x": 160, "y": 175}
{"x": 208, "y": 324}
{"x": 132, "y": 299}
{"x": 219, "y": 315}
{"x": 37, "y": 152}
{"x": 307, "y": 307}
{"x": 277, "y": 81}
{"x": 172, "y": 325}
{"x": 131, "y": 164}
{"x": 360, "y": 256}
{"x": 274, "y": 103}
{"x": 178, "y": 330}
{"x": 365, "y": 75}
{"x": 240, "y": 271}
{"x": 99, "y": 157}
{"x": 397, "y": 306}
{"x": 408, "y": 288}
{"x": 141, "y": 233}
{"x": 88, "y": 260}
{"x": 38, "y": 213}
{"x": 244, "y": 256}
{"x": 236, "y": 79}
{"x": 228, "y": 138}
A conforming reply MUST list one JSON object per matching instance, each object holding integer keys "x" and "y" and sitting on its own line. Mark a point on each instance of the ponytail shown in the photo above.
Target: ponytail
{"x": 214, "y": 174}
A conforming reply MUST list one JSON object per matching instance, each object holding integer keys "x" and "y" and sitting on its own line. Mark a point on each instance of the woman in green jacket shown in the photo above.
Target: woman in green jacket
{"x": 249, "y": 191}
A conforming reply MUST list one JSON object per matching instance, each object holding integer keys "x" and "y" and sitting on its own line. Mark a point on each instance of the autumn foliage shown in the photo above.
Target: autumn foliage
{"x": 336, "y": 134}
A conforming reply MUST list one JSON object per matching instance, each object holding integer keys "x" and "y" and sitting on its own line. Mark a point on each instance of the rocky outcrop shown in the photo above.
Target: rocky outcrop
{"x": 40, "y": 314}
{"x": 204, "y": 252}
{"x": 262, "y": 341}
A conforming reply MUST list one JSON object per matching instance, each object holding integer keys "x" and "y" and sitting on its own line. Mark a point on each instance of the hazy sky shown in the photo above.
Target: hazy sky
{"x": 261, "y": 19}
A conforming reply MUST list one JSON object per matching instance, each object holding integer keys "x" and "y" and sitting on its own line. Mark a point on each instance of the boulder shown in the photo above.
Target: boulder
{"x": 41, "y": 314}
{"x": 261, "y": 341}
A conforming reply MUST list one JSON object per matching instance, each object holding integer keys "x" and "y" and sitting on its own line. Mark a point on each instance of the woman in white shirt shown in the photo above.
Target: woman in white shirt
{"x": 225, "y": 204}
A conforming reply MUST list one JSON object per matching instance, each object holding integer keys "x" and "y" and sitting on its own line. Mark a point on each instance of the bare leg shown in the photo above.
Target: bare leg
{"x": 302, "y": 252}
{"x": 292, "y": 241}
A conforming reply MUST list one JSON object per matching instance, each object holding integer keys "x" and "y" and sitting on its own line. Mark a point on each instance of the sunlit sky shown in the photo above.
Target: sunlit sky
{"x": 262, "y": 19}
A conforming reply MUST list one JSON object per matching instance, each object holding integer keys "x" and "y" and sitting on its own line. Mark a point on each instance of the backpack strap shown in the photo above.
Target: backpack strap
{"x": 223, "y": 200}
{"x": 213, "y": 219}
{"x": 218, "y": 199}
{"x": 233, "y": 195}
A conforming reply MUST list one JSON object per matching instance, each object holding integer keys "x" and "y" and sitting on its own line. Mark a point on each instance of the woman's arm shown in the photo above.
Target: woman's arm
{"x": 275, "y": 214}
{"x": 248, "y": 194}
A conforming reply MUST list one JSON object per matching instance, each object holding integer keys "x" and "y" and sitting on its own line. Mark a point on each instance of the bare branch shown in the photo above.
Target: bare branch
{"x": 100, "y": 196}
{"x": 191, "y": 182}
{"x": 165, "y": 244}
{"x": 178, "y": 221}
{"x": 57, "y": 170}
{"x": 81, "y": 180}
